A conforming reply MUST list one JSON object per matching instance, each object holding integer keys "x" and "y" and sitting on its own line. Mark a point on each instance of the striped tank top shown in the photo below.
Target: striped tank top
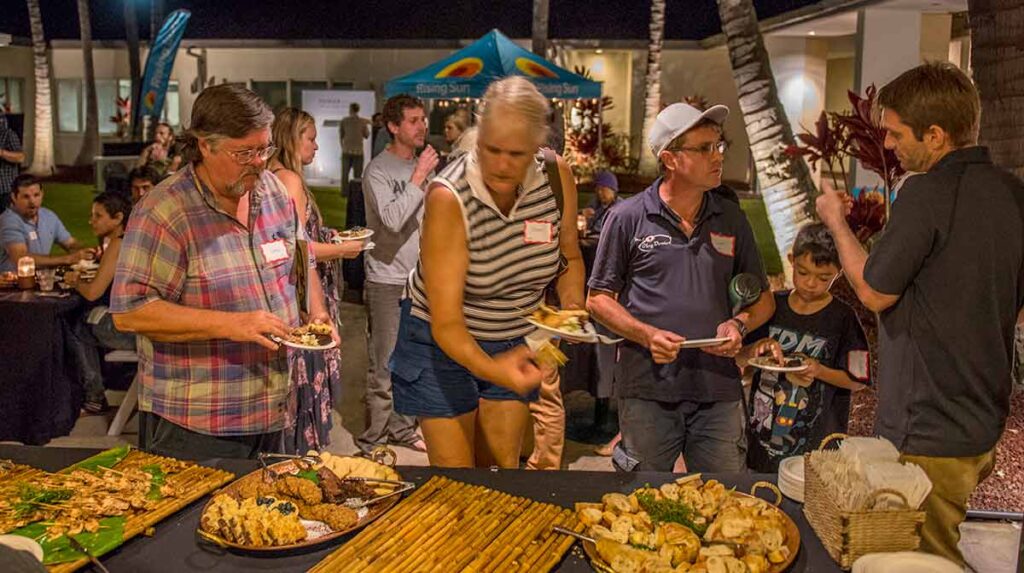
{"x": 506, "y": 276}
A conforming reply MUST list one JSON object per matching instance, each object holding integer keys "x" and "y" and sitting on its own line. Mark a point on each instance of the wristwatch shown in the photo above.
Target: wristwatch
{"x": 740, "y": 325}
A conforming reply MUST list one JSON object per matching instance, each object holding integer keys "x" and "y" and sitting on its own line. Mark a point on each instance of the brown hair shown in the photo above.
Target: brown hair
{"x": 24, "y": 181}
{"x": 289, "y": 124}
{"x": 935, "y": 93}
{"x": 460, "y": 118}
{"x": 227, "y": 111}
{"x": 394, "y": 108}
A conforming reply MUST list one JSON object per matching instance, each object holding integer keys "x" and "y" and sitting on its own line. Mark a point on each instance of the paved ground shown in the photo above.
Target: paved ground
{"x": 988, "y": 546}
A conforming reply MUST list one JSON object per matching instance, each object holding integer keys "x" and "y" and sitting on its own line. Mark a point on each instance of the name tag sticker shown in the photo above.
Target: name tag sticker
{"x": 724, "y": 244}
{"x": 538, "y": 232}
{"x": 33, "y": 236}
{"x": 274, "y": 251}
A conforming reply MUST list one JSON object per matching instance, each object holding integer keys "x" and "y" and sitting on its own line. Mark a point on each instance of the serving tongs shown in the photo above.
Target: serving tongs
{"x": 304, "y": 463}
{"x": 357, "y": 503}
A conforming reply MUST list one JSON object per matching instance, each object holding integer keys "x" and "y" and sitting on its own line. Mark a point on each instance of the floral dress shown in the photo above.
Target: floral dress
{"x": 315, "y": 373}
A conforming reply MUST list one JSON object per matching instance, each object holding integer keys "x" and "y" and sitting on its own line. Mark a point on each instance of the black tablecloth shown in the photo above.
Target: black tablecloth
{"x": 174, "y": 547}
{"x": 39, "y": 396}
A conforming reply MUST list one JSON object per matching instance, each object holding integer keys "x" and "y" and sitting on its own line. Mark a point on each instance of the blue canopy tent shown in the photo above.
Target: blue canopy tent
{"x": 468, "y": 72}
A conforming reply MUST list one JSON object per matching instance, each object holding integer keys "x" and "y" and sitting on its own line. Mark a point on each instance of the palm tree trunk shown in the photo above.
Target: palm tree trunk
{"x": 131, "y": 29}
{"x": 91, "y": 137}
{"x": 540, "y": 28}
{"x": 786, "y": 185}
{"x": 652, "y": 85}
{"x": 997, "y": 63}
{"x": 42, "y": 154}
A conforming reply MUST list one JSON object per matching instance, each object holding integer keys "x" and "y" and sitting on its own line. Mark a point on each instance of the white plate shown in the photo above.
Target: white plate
{"x": 588, "y": 334}
{"x": 23, "y": 544}
{"x": 904, "y": 562}
{"x": 702, "y": 342}
{"x": 363, "y": 235}
{"x": 280, "y": 340}
{"x": 792, "y": 491}
{"x": 763, "y": 363}
{"x": 792, "y": 468}
{"x": 83, "y": 265}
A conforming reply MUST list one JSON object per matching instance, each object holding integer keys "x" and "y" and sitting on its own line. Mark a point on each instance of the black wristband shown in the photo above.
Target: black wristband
{"x": 739, "y": 325}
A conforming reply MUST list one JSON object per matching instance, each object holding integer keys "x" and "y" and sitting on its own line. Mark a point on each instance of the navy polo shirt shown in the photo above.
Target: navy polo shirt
{"x": 675, "y": 283}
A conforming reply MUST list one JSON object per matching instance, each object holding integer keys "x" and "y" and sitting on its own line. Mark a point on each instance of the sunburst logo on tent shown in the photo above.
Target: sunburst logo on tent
{"x": 464, "y": 68}
{"x": 534, "y": 69}
{"x": 150, "y": 99}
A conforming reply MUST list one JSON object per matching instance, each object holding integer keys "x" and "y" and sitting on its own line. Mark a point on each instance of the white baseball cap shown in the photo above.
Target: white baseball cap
{"x": 679, "y": 118}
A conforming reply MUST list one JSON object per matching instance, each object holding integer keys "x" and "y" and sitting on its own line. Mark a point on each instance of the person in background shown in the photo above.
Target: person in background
{"x": 29, "y": 229}
{"x": 317, "y": 374}
{"x": 789, "y": 414}
{"x": 96, "y": 330}
{"x": 11, "y": 158}
{"x": 455, "y": 125}
{"x": 381, "y": 136}
{"x": 947, "y": 279}
{"x": 162, "y": 154}
{"x": 606, "y": 194}
{"x": 394, "y": 189}
{"x": 142, "y": 180}
{"x": 207, "y": 274}
{"x": 354, "y": 130}
{"x": 661, "y": 275}
{"x": 494, "y": 239}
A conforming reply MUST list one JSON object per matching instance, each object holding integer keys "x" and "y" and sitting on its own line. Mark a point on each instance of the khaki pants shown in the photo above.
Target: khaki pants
{"x": 548, "y": 415}
{"x": 953, "y": 482}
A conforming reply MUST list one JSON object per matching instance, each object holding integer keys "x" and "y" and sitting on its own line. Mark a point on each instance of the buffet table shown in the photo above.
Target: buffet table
{"x": 174, "y": 547}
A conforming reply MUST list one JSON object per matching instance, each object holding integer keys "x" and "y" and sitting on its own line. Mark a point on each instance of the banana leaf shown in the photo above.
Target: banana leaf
{"x": 105, "y": 459}
{"x": 59, "y": 550}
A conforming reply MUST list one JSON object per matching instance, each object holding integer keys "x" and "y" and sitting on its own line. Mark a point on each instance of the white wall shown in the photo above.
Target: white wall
{"x": 706, "y": 73}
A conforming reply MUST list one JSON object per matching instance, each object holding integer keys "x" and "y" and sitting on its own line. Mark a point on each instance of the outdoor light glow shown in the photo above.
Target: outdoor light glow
{"x": 811, "y": 33}
{"x": 599, "y": 51}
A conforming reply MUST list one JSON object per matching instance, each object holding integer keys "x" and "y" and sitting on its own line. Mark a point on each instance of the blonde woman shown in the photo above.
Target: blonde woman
{"x": 314, "y": 373}
{"x": 493, "y": 238}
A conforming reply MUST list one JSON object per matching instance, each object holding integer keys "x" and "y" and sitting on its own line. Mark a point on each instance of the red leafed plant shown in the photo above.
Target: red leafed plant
{"x": 122, "y": 117}
{"x": 867, "y": 138}
{"x": 859, "y": 135}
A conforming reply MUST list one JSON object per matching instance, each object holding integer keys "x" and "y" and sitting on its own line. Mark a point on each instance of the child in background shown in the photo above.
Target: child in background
{"x": 790, "y": 413}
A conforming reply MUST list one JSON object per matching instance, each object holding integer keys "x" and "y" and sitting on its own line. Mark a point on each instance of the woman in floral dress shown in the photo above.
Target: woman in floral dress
{"x": 315, "y": 373}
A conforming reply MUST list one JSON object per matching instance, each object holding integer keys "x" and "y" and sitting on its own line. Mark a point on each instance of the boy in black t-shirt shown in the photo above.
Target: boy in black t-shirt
{"x": 789, "y": 414}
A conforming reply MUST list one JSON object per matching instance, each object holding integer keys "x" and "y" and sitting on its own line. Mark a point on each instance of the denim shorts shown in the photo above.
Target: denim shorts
{"x": 425, "y": 382}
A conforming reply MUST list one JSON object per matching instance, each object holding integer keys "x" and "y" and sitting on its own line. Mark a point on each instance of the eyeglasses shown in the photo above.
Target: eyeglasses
{"x": 246, "y": 156}
{"x": 706, "y": 149}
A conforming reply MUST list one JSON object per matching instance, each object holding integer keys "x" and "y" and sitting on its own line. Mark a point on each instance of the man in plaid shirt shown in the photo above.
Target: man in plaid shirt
{"x": 11, "y": 158}
{"x": 206, "y": 273}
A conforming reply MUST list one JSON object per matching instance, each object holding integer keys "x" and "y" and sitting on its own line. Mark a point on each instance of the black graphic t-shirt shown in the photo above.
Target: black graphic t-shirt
{"x": 786, "y": 419}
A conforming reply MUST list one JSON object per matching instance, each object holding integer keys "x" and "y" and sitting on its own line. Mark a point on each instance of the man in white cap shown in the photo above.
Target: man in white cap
{"x": 661, "y": 276}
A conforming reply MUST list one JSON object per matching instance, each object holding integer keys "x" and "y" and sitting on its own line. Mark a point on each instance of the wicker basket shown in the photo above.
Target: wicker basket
{"x": 847, "y": 535}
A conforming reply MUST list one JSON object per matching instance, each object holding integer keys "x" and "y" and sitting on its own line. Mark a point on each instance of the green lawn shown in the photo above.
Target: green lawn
{"x": 72, "y": 201}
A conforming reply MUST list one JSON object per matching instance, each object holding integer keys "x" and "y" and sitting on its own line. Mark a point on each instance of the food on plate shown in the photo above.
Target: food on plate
{"x": 337, "y": 490}
{"x": 354, "y": 233}
{"x": 344, "y": 467}
{"x": 299, "y": 488}
{"x": 312, "y": 334}
{"x": 688, "y": 525}
{"x": 571, "y": 321}
{"x": 787, "y": 361}
{"x": 337, "y": 517}
{"x": 257, "y": 522}
{"x": 75, "y": 501}
{"x": 548, "y": 354}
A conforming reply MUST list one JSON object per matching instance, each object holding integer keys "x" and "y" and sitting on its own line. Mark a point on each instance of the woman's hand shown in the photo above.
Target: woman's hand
{"x": 71, "y": 278}
{"x": 323, "y": 318}
{"x": 351, "y": 249}
{"x": 515, "y": 369}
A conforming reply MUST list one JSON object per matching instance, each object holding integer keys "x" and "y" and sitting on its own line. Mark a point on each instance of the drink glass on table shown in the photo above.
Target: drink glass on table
{"x": 46, "y": 278}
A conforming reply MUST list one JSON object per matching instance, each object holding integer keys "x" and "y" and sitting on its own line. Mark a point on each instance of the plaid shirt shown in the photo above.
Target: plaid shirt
{"x": 181, "y": 248}
{"x": 8, "y": 142}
